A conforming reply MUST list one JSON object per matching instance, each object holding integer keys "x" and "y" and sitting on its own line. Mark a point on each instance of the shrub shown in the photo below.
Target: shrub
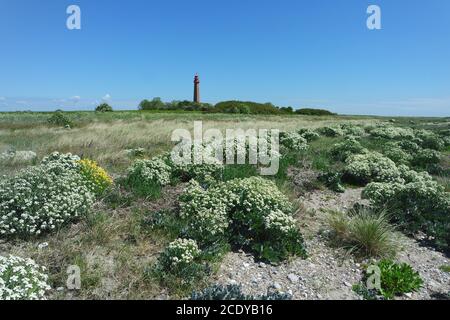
{"x": 332, "y": 180}
{"x": 179, "y": 255}
{"x": 365, "y": 232}
{"x": 245, "y": 107}
{"x": 96, "y": 177}
{"x": 350, "y": 146}
{"x": 42, "y": 198}
{"x": 22, "y": 279}
{"x": 429, "y": 140}
{"x": 240, "y": 210}
{"x": 155, "y": 104}
{"x": 418, "y": 204}
{"x": 180, "y": 266}
{"x": 396, "y": 279}
{"x": 204, "y": 213}
{"x": 314, "y": 112}
{"x": 104, "y": 107}
{"x": 234, "y": 292}
{"x": 350, "y": 129}
{"x": 308, "y": 134}
{"x": 392, "y": 133}
{"x": 394, "y": 152}
{"x": 293, "y": 141}
{"x": 426, "y": 157}
{"x": 59, "y": 119}
{"x": 331, "y": 131}
{"x": 146, "y": 177}
{"x": 371, "y": 167}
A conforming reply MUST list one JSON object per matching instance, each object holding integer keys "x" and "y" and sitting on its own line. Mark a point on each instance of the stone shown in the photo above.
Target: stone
{"x": 293, "y": 278}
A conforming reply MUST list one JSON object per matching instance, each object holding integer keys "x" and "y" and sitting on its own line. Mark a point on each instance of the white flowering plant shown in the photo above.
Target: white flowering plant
{"x": 238, "y": 211}
{"x": 293, "y": 141}
{"x": 371, "y": 167}
{"x": 350, "y": 146}
{"x": 147, "y": 177}
{"x": 392, "y": 133}
{"x": 180, "y": 266}
{"x": 43, "y": 198}
{"x": 351, "y": 129}
{"x": 396, "y": 153}
{"x": 204, "y": 214}
{"x": 22, "y": 279}
{"x": 331, "y": 131}
{"x": 417, "y": 203}
{"x": 309, "y": 134}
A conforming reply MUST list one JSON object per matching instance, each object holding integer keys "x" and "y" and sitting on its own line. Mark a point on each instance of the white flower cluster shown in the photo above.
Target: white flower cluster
{"x": 331, "y": 131}
{"x": 394, "y": 151}
{"x": 293, "y": 141}
{"x": 346, "y": 148}
{"x": 351, "y": 129}
{"x": 280, "y": 222}
{"x": 151, "y": 171}
{"x": 372, "y": 167}
{"x": 181, "y": 252}
{"x": 22, "y": 279}
{"x": 388, "y": 132}
{"x": 209, "y": 212}
{"x": 308, "y": 134}
{"x": 67, "y": 161}
{"x": 42, "y": 198}
{"x": 417, "y": 186}
{"x": 204, "y": 213}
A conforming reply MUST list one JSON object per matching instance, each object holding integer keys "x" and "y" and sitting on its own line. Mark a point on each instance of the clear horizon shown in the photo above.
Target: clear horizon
{"x": 291, "y": 53}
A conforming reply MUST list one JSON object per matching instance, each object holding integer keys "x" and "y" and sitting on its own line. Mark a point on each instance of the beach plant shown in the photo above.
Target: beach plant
{"x": 22, "y": 279}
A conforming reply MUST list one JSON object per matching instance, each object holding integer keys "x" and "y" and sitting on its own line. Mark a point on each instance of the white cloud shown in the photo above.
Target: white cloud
{"x": 107, "y": 97}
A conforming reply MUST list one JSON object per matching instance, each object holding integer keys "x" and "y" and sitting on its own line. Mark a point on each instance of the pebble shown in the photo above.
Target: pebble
{"x": 293, "y": 278}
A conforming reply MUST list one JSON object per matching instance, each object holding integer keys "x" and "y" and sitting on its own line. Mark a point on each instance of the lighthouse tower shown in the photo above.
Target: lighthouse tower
{"x": 196, "y": 89}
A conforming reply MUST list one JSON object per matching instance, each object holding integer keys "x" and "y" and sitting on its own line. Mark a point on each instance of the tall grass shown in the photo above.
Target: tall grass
{"x": 364, "y": 232}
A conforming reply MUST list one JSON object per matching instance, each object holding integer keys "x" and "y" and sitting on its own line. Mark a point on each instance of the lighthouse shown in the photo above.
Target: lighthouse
{"x": 196, "y": 89}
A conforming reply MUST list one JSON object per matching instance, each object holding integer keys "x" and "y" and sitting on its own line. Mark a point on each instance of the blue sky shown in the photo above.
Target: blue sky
{"x": 315, "y": 53}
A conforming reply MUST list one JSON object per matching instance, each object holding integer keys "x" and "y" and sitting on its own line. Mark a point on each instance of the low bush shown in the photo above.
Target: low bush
{"x": 22, "y": 279}
{"x": 350, "y": 129}
{"x": 146, "y": 177}
{"x": 396, "y": 279}
{"x": 309, "y": 134}
{"x": 371, "y": 167}
{"x": 59, "y": 119}
{"x": 180, "y": 266}
{"x": 365, "y": 232}
{"x": 234, "y": 293}
{"x": 293, "y": 141}
{"x": 418, "y": 203}
{"x": 392, "y": 133}
{"x": 332, "y": 180}
{"x": 250, "y": 213}
{"x": 429, "y": 140}
{"x": 350, "y": 146}
{"x": 393, "y": 151}
{"x": 96, "y": 177}
{"x": 331, "y": 131}
{"x": 43, "y": 198}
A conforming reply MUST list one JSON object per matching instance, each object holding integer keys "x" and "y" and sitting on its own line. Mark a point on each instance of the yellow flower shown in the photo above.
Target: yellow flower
{"x": 97, "y": 177}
